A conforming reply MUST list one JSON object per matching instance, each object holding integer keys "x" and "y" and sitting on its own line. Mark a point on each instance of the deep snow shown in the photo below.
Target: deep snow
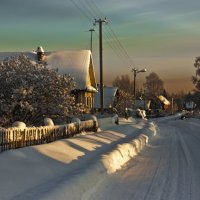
{"x": 39, "y": 171}
{"x": 167, "y": 168}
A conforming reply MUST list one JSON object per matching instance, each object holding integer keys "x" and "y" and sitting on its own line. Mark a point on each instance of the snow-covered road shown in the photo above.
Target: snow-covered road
{"x": 168, "y": 168}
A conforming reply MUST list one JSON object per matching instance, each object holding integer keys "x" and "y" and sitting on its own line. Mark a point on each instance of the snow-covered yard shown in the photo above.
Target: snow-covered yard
{"x": 83, "y": 167}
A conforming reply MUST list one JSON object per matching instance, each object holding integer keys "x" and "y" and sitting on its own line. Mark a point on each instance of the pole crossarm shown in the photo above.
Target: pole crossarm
{"x": 100, "y": 21}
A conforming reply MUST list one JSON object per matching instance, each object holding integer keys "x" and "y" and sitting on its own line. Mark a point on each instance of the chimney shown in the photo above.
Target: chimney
{"x": 40, "y": 53}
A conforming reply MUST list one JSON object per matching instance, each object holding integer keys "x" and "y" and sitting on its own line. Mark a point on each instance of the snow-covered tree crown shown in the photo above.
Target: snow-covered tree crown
{"x": 30, "y": 91}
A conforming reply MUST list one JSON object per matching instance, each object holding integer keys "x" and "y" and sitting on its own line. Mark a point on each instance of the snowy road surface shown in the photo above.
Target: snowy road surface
{"x": 168, "y": 168}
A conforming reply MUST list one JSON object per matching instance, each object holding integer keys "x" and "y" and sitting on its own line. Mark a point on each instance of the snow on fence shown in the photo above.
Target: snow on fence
{"x": 13, "y": 138}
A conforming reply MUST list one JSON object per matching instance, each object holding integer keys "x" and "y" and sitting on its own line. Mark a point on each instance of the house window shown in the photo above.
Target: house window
{"x": 88, "y": 102}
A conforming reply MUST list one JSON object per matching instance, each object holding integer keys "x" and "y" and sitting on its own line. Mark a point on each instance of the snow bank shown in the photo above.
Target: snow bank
{"x": 70, "y": 168}
{"x": 116, "y": 159}
{"x": 107, "y": 122}
{"x": 82, "y": 184}
{"x": 123, "y": 153}
{"x": 153, "y": 129}
{"x": 171, "y": 117}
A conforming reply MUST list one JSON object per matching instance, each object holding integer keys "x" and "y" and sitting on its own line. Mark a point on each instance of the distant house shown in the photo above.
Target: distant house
{"x": 79, "y": 64}
{"x": 109, "y": 96}
{"x": 189, "y": 105}
{"x": 164, "y": 102}
{"x": 142, "y": 104}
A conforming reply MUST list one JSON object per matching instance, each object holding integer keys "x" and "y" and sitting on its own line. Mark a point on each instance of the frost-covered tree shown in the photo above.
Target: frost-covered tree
{"x": 125, "y": 96}
{"x": 122, "y": 101}
{"x": 30, "y": 91}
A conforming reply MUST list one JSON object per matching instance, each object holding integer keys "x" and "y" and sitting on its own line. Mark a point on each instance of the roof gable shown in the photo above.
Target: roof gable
{"x": 75, "y": 63}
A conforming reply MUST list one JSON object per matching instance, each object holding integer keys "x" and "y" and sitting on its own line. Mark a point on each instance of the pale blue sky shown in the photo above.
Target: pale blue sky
{"x": 161, "y": 35}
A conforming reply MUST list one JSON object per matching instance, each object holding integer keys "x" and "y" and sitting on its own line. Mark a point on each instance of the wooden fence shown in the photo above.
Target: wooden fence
{"x": 13, "y": 138}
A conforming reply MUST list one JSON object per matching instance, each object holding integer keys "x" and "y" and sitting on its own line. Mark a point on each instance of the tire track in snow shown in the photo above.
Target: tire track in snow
{"x": 166, "y": 145}
{"x": 167, "y": 186}
{"x": 190, "y": 136}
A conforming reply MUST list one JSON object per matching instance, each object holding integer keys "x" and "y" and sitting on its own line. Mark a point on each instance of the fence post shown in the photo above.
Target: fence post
{"x": 95, "y": 126}
{"x": 2, "y": 140}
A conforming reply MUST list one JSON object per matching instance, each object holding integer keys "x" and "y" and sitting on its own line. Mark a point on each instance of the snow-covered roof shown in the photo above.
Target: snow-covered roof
{"x": 163, "y": 100}
{"x": 109, "y": 96}
{"x": 78, "y": 64}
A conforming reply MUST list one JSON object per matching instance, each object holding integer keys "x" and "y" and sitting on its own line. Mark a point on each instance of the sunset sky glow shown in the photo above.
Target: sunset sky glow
{"x": 160, "y": 35}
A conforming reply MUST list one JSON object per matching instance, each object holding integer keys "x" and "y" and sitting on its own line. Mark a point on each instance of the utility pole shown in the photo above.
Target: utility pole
{"x": 134, "y": 83}
{"x": 100, "y": 21}
{"x": 91, "y": 31}
{"x": 135, "y": 72}
{"x": 172, "y": 106}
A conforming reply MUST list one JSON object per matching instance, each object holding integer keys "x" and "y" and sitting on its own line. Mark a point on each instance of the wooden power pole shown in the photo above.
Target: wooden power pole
{"x": 100, "y": 21}
{"x": 91, "y": 31}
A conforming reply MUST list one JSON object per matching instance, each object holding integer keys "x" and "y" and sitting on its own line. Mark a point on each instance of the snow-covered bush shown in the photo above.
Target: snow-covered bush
{"x": 48, "y": 121}
{"x": 19, "y": 124}
{"x": 122, "y": 102}
{"x": 116, "y": 119}
{"x": 30, "y": 91}
{"x": 141, "y": 113}
{"x": 77, "y": 120}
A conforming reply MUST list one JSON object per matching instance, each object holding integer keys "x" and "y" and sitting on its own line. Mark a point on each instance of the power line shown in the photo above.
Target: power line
{"x": 92, "y": 4}
{"x": 92, "y": 10}
{"x": 121, "y": 46}
{"x": 86, "y": 6}
{"x": 80, "y": 9}
{"x": 96, "y": 9}
{"x": 114, "y": 47}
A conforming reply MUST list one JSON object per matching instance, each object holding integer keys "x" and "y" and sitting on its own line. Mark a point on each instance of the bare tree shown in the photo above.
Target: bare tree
{"x": 196, "y": 79}
{"x": 154, "y": 85}
{"x": 124, "y": 83}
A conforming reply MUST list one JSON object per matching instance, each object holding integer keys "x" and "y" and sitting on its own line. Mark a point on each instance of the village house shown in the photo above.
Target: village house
{"x": 110, "y": 93}
{"x": 79, "y": 64}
